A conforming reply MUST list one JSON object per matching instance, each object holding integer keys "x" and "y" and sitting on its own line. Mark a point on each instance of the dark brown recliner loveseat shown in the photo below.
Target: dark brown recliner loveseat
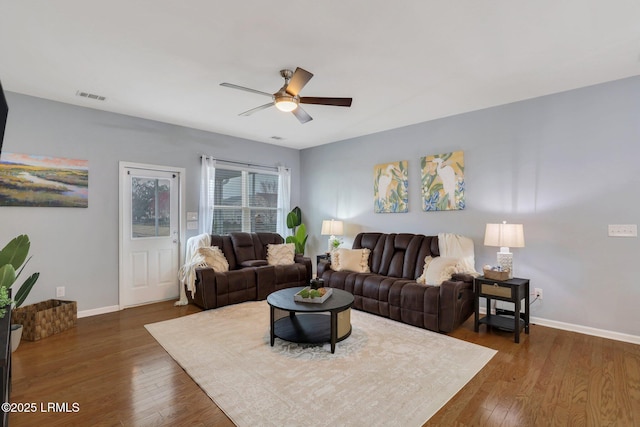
{"x": 249, "y": 278}
{"x": 391, "y": 290}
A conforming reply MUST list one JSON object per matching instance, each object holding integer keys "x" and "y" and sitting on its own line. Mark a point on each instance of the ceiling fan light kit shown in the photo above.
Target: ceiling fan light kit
{"x": 287, "y": 99}
{"x": 286, "y": 103}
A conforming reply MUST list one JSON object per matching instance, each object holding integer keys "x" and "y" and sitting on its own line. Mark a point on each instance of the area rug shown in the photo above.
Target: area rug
{"x": 385, "y": 373}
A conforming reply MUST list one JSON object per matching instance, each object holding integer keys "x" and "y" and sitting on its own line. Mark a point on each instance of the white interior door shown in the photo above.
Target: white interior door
{"x": 150, "y": 235}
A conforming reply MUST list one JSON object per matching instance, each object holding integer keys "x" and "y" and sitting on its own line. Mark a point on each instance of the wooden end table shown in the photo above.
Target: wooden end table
{"x": 512, "y": 290}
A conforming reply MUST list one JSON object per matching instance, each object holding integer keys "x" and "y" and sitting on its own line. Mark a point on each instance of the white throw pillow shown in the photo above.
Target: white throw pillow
{"x": 214, "y": 258}
{"x": 351, "y": 259}
{"x": 282, "y": 254}
{"x": 423, "y": 278}
{"x": 440, "y": 268}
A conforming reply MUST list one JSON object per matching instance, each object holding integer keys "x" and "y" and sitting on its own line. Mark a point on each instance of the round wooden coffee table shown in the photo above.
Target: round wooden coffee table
{"x": 305, "y": 322}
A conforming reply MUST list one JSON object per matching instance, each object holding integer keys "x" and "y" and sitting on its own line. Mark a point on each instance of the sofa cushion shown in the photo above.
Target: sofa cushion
{"x": 351, "y": 260}
{"x": 214, "y": 258}
{"x": 243, "y": 247}
{"x": 282, "y": 254}
{"x": 440, "y": 269}
{"x": 254, "y": 263}
{"x": 224, "y": 243}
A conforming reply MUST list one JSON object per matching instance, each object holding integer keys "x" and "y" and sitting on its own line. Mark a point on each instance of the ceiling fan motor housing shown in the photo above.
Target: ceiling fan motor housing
{"x": 288, "y": 97}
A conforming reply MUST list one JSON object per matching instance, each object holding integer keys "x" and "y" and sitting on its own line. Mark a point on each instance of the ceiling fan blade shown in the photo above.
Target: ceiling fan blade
{"x": 253, "y": 110}
{"x": 302, "y": 115}
{"x": 299, "y": 79}
{"x": 246, "y": 89}
{"x": 338, "y": 102}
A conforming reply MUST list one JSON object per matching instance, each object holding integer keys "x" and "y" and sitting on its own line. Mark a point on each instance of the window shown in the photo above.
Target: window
{"x": 150, "y": 207}
{"x": 244, "y": 201}
{"x": 243, "y": 198}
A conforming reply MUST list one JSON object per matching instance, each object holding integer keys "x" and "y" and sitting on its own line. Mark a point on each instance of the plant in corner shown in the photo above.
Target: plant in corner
{"x": 299, "y": 230}
{"x": 13, "y": 259}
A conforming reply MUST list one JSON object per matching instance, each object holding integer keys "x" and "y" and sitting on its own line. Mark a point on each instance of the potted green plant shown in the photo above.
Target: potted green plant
{"x": 335, "y": 244}
{"x": 299, "y": 230}
{"x": 13, "y": 259}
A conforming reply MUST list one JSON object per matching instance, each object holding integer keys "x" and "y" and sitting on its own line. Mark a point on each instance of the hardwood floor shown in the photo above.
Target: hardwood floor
{"x": 118, "y": 375}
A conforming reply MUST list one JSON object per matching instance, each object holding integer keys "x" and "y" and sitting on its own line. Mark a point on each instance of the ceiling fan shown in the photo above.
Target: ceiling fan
{"x": 288, "y": 97}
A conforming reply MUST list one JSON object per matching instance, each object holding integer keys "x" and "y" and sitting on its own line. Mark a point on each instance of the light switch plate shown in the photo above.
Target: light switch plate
{"x": 192, "y": 216}
{"x": 192, "y": 225}
{"x": 623, "y": 230}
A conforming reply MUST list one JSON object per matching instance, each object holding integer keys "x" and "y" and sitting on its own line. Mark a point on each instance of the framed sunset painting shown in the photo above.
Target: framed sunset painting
{"x": 28, "y": 180}
{"x": 390, "y": 188}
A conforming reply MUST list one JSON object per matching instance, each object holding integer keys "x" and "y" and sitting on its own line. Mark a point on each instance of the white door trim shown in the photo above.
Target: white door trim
{"x": 181, "y": 213}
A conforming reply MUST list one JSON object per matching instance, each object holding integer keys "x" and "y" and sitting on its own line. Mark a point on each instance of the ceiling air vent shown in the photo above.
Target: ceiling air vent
{"x": 90, "y": 95}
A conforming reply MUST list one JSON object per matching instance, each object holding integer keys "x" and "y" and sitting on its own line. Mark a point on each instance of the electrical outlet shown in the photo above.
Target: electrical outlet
{"x": 59, "y": 291}
{"x": 623, "y": 230}
{"x": 537, "y": 292}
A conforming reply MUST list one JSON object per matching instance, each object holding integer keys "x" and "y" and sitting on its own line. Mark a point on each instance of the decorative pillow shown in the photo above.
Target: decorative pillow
{"x": 423, "y": 278}
{"x": 440, "y": 268}
{"x": 351, "y": 259}
{"x": 214, "y": 258}
{"x": 282, "y": 254}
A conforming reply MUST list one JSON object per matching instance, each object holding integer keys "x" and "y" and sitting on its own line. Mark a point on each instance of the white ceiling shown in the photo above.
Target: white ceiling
{"x": 402, "y": 61}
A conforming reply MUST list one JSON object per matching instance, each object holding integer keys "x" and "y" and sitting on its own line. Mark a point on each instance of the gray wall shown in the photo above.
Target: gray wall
{"x": 78, "y": 248}
{"x": 564, "y": 165}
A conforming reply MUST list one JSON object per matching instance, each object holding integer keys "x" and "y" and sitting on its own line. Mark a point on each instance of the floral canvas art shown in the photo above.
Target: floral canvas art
{"x": 443, "y": 181}
{"x": 27, "y": 180}
{"x": 390, "y": 184}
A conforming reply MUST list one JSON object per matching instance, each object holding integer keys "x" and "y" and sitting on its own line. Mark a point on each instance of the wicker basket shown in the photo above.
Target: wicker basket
{"x": 496, "y": 275}
{"x": 45, "y": 318}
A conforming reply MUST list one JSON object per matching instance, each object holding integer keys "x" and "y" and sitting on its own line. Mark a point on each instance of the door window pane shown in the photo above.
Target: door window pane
{"x": 150, "y": 207}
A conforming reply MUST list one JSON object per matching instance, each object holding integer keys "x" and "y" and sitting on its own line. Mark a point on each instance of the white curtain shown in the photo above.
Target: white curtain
{"x": 284, "y": 202}
{"x": 207, "y": 187}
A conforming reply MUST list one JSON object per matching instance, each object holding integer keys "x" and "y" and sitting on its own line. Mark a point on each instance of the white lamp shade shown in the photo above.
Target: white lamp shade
{"x": 332, "y": 228}
{"x": 504, "y": 235}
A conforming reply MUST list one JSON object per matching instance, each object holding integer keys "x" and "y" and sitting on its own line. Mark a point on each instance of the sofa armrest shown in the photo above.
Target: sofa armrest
{"x": 463, "y": 277}
{"x": 300, "y": 259}
{"x": 323, "y": 265}
{"x": 456, "y": 303}
{"x": 205, "y": 295}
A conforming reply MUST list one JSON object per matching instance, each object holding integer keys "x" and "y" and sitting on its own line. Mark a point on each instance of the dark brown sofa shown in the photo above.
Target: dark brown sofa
{"x": 390, "y": 290}
{"x": 249, "y": 277}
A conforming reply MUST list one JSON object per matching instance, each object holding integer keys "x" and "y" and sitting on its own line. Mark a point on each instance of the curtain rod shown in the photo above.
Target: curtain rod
{"x": 275, "y": 168}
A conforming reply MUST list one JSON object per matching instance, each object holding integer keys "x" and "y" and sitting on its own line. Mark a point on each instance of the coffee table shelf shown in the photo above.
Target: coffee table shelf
{"x": 308, "y": 328}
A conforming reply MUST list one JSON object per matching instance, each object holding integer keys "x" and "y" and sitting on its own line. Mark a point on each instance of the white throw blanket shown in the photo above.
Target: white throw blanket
{"x": 457, "y": 246}
{"x": 192, "y": 260}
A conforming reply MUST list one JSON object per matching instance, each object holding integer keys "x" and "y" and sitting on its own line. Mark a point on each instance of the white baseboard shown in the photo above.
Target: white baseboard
{"x": 602, "y": 333}
{"x": 96, "y": 311}
{"x": 111, "y": 309}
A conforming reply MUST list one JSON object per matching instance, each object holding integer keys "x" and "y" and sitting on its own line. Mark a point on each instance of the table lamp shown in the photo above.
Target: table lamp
{"x": 505, "y": 236}
{"x": 331, "y": 227}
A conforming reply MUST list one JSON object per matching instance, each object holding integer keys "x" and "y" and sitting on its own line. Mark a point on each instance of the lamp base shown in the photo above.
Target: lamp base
{"x": 505, "y": 261}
